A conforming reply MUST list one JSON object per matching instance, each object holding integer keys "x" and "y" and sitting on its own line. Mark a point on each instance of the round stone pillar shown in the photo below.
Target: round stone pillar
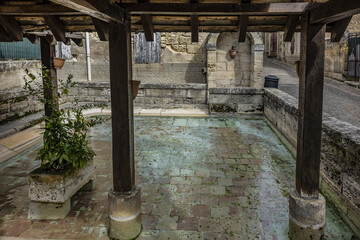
{"x": 124, "y": 214}
{"x": 306, "y": 217}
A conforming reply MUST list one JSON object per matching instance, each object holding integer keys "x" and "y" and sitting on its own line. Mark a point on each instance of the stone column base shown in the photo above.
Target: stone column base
{"x": 306, "y": 217}
{"x": 124, "y": 214}
{"x": 43, "y": 210}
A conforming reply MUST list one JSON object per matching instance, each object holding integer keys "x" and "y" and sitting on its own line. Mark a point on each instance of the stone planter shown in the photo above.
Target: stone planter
{"x": 50, "y": 193}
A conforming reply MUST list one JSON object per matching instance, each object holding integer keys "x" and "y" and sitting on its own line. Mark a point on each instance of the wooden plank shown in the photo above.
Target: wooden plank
{"x": 339, "y": 29}
{"x": 243, "y": 22}
{"x": 4, "y": 36}
{"x": 215, "y": 8}
{"x": 148, "y": 27}
{"x": 78, "y": 42}
{"x": 97, "y": 9}
{"x": 36, "y": 10}
{"x": 50, "y": 83}
{"x": 310, "y": 108}
{"x": 102, "y": 29}
{"x": 57, "y": 27}
{"x": 194, "y": 28}
{"x": 290, "y": 27}
{"x": 12, "y": 27}
{"x": 121, "y": 106}
{"x": 334, "y": 10}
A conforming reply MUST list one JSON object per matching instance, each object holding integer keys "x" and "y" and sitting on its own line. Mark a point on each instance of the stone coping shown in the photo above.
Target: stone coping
{"x": 237, "y": 90}
{"x": 348, "y": 132}
{"x": 197, "y": 86}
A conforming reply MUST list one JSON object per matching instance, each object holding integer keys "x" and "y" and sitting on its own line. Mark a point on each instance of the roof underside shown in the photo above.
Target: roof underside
{"x": 29, "y": 14}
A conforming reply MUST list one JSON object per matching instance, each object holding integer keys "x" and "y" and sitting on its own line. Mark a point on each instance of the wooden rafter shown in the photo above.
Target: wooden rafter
{"x": 78, "y": 42}
{"x": 56, "y": 27}
{"x": 4, "y": 35}
{"x": 102, "y": 10}
{"x": 102, "y": 29}
{"x": 33, "y": 38}
{"x": 12, "y": 27}
{"x": 194, "y": 28}
{"x": 334, "y": 10}
{"x": 243, "y": 22}
{"x": 36, "y": 10}
{"x": 146, "y": 21}
{"x": 339, "y": 29}
{"x": 215, "y": 8}
{"x": 290, "y": 27}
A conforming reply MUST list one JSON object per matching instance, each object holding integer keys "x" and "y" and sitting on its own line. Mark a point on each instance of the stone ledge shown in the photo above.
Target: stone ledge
{"x": 237, "y": 91}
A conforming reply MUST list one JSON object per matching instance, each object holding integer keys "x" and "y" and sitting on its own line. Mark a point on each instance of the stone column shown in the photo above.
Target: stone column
{"x": 257, "y": 57}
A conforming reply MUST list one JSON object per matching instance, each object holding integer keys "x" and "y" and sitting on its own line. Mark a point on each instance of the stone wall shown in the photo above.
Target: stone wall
{"x": 340, "y": 153}
{"x": 150, "y": 95}
{"x": 181, "y": 61}
{"x": 14, "y": 102}
{"x": 241, "y": 99}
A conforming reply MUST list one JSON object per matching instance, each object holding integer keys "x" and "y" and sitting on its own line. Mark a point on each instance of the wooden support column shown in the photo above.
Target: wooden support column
{"x": 122, "y": 106}
{"x": 51, "y": 89}
{"x": 310, "y": 107}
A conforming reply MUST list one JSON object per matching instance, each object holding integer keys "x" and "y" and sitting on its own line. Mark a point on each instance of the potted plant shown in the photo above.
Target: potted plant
{"x": 66, "y": 158}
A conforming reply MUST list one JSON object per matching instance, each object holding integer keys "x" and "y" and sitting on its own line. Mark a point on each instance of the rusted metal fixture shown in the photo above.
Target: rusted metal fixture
{"x": 233, "y": 52}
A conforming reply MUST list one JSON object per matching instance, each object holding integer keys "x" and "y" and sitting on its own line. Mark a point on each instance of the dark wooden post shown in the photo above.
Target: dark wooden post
{"x": 122, "y": 106}
{"x": 50, "y": 90}
{"x": 310, "y": 108}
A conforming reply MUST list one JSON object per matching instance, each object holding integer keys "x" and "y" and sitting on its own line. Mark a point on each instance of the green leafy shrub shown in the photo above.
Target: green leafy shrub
{"x": 65, "y": 131}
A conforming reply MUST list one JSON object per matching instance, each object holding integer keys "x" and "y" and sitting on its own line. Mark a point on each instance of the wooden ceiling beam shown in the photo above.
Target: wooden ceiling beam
{"x": 194, "y": 28}
{"x": 12, "y": 27}
{"x": 4, "y": 36}
{"x": 243, "y": 23}
{"x": 100, "y": 9}
{"x": 57, "y": 27}
{"x": 339, "y": 29}
{"x": 78, "y": 42}
{"x": 146, "y": 21}
{"x": 334, "y": 10}
{"x": 102, "y": 29}
{"x": 215, "y": 8}
{"x": 33, "y": 38}
{"x": 36, "y": 10}
{"x": 290, "y": 27}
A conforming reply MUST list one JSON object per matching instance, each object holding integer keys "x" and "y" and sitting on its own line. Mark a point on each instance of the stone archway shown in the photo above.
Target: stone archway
{"x": 245, "y": 70}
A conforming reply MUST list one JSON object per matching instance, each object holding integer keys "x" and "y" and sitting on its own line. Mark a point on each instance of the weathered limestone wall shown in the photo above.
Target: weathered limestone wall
{"x": 239, "y": 99}
{"x": 234, "y": 84}
{"x": 14, "y": 102}
{"x": 181, "y": 61}
{"x": 149, "y": 95}
{"x": 336, "y": 55}
{"x": 340, "y": 153}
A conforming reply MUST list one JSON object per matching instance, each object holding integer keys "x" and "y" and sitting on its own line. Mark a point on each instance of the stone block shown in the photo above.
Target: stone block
{"x": 41, "y": 210}
{"x": 51, "y": 187}
{"x": 193, "y": 48}
{"x": 306, "y": 217}
{"x": 124, "y": 214}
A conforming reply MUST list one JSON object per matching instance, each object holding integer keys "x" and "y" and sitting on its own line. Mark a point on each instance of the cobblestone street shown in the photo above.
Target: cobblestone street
{"x": 201, "y": 178}
{"x": 340, "y": 101}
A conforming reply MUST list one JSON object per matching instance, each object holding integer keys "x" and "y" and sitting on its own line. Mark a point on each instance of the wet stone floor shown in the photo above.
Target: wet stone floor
{"x": 201, "y": 178}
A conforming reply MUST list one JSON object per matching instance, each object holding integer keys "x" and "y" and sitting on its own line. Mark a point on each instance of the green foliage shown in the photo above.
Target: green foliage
{"x": 65, "y": 131}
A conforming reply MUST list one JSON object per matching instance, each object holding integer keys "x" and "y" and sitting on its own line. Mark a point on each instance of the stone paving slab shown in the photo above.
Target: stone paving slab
{"x": 201, "y": 178}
